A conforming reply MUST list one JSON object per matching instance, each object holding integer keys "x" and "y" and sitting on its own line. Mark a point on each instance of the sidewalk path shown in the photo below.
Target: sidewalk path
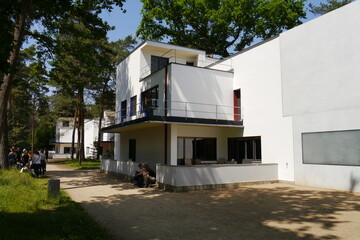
{"x": 268, "y": 211}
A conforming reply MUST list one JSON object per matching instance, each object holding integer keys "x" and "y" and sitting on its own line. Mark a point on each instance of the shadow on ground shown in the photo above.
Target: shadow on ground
{"x": 269, "y": 211}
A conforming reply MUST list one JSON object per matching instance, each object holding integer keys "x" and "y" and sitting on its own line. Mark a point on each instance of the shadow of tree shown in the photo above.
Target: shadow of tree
{"x": 269, "y": 211}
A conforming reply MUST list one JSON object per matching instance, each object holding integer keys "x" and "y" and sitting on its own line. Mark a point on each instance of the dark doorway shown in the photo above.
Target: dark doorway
{"x": 132, "y": 149}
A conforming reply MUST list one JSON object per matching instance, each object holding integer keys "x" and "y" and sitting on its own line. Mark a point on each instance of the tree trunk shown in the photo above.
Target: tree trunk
{"x": 99, "y": 133}
{"x": 81, "y": 134}
{"x": 18, "y": 34}
{"x": 73, "y": 135}
{"x": 78, "y": 134}
{"x": 33, "y": 125}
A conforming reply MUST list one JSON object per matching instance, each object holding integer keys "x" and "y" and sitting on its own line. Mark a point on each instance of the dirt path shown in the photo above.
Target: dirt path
{"x": 268, "y": 211}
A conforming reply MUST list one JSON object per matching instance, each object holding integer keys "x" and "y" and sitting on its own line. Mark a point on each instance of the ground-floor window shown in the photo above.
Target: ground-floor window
{"x": 245, "y": 150}
{"x": 196, "y": 148}
{"x": 132, "y": 149}
{"x": 68, "y": 149}
{"x": 331, "y": 148}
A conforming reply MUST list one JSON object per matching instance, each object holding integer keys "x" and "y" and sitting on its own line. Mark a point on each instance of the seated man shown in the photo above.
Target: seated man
{"x": 138, "y": 178}
{"x": 149, "y": 175}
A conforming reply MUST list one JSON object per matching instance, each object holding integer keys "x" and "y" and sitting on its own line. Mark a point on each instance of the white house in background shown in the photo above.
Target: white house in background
{"x": 64, "y": 131}
{"x": 286, "y": 109}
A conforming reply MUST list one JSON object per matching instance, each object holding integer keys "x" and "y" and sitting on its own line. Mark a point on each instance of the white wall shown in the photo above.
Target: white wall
{"x": 91, "y": 133}
{"x": 64, "y": 134}
{"x": 189, "y": 85}
{"x": 330, "y": 176}
{"x": 321, "y": 83}
{"x": 257, "y": 73}
{"x": 215, "y": 174}
{"x": 128, "y": 81}
{"x": 320, "y": 63}
{"x": 150, "y": 145}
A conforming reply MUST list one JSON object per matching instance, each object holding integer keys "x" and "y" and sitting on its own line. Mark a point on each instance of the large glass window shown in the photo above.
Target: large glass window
{"x": 68, "y": 150}
{"x": 158, "y": 62}
{"x": 149, "y": 100}
{"x": 331, "y": 148}
{"x": 196, "y": 148}
{"x": 245, "y": 150}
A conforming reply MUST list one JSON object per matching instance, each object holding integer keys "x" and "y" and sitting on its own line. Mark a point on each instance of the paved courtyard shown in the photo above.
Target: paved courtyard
{"x": 267, "y": 211}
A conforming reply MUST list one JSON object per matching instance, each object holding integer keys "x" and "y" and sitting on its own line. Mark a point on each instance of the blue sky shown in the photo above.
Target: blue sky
{"x": 127, "y": 23}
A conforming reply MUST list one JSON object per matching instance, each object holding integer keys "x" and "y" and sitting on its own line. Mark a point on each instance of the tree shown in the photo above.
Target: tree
{"x": 17, "y": 18}
{"x": 105, "y": 94}
{"x": 27, "y": 101}
{"x": 43, "y": 135}
{"x": 216, "y": 25}
{"x": 327, "y": 7}
{"x": 82, "y": 62}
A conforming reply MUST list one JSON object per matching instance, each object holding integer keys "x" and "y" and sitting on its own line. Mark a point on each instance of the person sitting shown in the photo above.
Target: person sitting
{"x": 138, "y": 178}
{"x": 149, "y": 175}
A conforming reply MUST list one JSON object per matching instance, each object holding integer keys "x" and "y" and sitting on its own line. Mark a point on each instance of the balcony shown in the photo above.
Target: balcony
{"x": 183, "y": 112}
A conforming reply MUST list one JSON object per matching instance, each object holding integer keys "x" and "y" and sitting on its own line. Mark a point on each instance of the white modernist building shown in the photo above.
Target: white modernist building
{"x": 64, "y": 132}
{"x": 286, "y": 109}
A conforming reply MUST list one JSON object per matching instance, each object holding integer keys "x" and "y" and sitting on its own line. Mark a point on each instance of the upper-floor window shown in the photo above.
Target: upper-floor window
{"x": 149, "y": 100}
{"x": 133, "y": 106}
{"x": 123, "y": 110}
{"x": 190, "y": 63}
{"x": 158, "y": 62}
{"x": 66, "y": 123}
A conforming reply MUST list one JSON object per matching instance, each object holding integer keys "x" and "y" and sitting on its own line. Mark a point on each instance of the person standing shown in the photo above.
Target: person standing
{"x": 25, "y": 158}
{"x": 12, "y": 157}
{"x": 43, "y": 163}
{"x": 36, "y": 163}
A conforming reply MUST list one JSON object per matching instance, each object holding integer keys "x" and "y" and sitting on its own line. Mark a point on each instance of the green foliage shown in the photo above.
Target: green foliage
{"x": 24, "y": 205}
{"x": 44, "y": 133}
{"x": 51, "y": 17}
{"x": 122, "y": 48}
{"x": 86, "y": 164}
{"x": 28, "y": 102}
{"x": 327, "y": 7}
{"x": 216, "y": 25}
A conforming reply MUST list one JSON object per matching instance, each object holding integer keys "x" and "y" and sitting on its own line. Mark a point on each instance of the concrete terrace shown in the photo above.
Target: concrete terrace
{"x": 267, "y": 211}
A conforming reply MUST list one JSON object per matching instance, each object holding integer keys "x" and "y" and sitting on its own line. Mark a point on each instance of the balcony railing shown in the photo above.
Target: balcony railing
{"x": 181, "y": 109}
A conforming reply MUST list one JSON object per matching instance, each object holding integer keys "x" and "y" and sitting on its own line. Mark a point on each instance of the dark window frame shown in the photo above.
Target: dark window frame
{"x": 203, "y": 148}
{"x": 149, "y": 100}
{"x": 123, "y": 108}
{"x": 158, "y": 62}
{"x": 66, "y": 123}
{"x": 133, "y": 103}
{"x": 245, "y": 149}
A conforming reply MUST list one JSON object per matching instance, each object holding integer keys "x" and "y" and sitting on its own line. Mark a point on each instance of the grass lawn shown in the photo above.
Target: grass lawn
{"x": 27, "y": 213}
{"x": 87, "y": 164}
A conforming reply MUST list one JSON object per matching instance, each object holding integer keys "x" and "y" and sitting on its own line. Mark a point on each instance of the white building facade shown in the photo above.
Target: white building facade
{"x": 64, "y": 133}
{"x": 286, "y": 109}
